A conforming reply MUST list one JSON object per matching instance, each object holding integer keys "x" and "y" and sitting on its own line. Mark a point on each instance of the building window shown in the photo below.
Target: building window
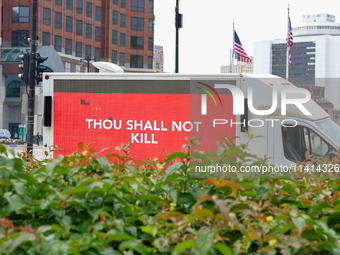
{"x": 115, "y": 17}
{"x": 137, "y": 5}
{"x": 79, "y": 49}
{"x": 318, "y": 92}
{"x": 89, "y": 10}
{"x": 123, "y": 3}
{"x": 20, "y": 38}
{"x": 47, "y": 16}
{"x": 150, "y": 25}
{"x": 58, "y": 20}
{"x": 79, "y": 27}
{"x": 114, "y": 57}
{"x": 136, "y": 61}
{"x": 20, "y": 14}
{"x": 68, "y": 46}
{"x": 58, "y": 2}
{"x": 57, "y": 43}
{"x": 69, "y": 4}
{"x": 115, "y": 2}
{"x": 77, "y": 68}
{"x": 137, "y": 24}
{"x": 97, "y": 54}
{"x": 150, "y": 62}
{"x": 114, "y": 37}
{"x": 46, "y": 39}
{"x": 69, "y": 24}
{"x": 13, "y": 89}
{"x": 122, "y": 59}
{"x": 122, "y": 20}
{"x": 137, "y": 42}
{"x": 313, "y": 92}
{"x": 97, "y": 34}
{"x": 122, "y": 40}
{"x": 150, "y": 43}
{"x": 67, "y": 67}
{"x": 321, "y": 92}
{"x": 88, "y": 31}
{"x": 80, "y": 6}
{"x": 150, "y": 6}
{"x": 87, "y": 51}
{"x": 98, "y": 13}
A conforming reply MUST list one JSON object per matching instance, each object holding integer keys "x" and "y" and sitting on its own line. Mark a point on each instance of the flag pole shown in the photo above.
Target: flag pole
{"x": 232, "y": 56}
{"x": 288, "y": 35}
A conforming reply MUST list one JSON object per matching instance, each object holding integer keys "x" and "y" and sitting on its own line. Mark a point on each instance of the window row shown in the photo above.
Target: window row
{"x": 136, "y": 42}
{"x": 136, "y": 23}
{"x": 57, "y": 20}
{"x": 136, "y": 5}
{"x": 136, "y": 61}
{"x": 80, "y": 7}
{"x": 78, "y": 53}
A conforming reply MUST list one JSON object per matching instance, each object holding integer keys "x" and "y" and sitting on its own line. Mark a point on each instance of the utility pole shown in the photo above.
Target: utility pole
{"x": 178, "y": 25}
{"x": 31, "y": 92}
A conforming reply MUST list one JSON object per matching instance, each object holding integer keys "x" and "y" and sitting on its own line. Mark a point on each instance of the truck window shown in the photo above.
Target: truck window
{"x": 297, "y": 140}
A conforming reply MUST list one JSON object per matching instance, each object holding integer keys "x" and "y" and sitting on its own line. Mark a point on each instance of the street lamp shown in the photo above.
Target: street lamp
{"x": 88, "y": 59}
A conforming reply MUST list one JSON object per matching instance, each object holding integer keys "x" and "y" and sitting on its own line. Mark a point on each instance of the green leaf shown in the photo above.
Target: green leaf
{"x": 204, "y": 241}
{"x": 19, "y": 187}
{"x": 151, "y": 230}
{"x": 285, "y": 228}
{"x": 50, "y": 169}
{"x": 290, "y": 190}
{"x": 14, "y": 201}
{"x": 61, "y": 170}
{"x": 104, "y": 163}
{"x": 134, "y": 245}
{"x": 173, "y": 168}
{"x": 174, "y": 155}
{"x": 262, "y": 192}
{"x": 119, "y": 237}
{"x": 28, "y": 177}
{"x": 22, "y": 238}
{"x": 317, "y": 208}
{"x": 333, "y": 219}
{"x": 221, "y": 247}
{"x": 18, "y": 164}
{"x": 187, "y": 244}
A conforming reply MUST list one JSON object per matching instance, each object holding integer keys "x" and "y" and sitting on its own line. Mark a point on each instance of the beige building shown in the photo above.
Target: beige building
{"x": 158, "y": 58}
{"x": 240, "y": 67}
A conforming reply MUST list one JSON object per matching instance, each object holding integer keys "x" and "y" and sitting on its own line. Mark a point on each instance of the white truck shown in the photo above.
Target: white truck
{"x": 154, "y": 112}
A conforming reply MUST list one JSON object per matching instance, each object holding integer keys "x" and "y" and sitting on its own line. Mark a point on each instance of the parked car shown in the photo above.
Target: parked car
{"x": 4, "y": 134}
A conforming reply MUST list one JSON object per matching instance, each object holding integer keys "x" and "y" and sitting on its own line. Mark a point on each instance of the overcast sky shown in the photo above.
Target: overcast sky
{"x": 206, "y": 37}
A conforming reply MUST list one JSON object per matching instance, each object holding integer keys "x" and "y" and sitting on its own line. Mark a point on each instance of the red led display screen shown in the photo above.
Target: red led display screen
{"x": 151, "y": 122}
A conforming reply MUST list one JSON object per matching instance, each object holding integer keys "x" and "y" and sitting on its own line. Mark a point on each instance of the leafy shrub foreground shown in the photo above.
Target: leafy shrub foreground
{"x": 82, "y": 204}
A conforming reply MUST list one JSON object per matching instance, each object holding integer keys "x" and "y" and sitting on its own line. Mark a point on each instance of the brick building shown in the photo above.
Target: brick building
{"x": 117, "y": 31}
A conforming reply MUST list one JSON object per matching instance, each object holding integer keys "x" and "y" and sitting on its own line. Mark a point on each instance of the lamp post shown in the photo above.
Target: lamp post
{"x": 88, "y": 59}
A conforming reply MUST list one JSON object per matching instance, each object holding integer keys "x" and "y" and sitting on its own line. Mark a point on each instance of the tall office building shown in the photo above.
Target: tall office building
{"x": 315, "y": 56}
{"x": 117, "y": 31}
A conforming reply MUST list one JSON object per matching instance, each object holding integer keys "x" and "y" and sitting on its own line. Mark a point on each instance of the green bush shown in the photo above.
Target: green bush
{"x": 88, "y": 204}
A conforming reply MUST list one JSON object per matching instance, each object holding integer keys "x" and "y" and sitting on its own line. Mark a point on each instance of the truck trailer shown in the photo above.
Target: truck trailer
{"x": 156, "y": 112}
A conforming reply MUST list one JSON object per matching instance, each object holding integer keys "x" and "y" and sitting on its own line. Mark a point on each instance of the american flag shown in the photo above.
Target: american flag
{"x": 289, "y": 40}
{"x": 241, "y": 55}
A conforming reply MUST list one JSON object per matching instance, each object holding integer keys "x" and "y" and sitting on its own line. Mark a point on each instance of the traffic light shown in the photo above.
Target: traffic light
{"x": 40, "y": 68}
{"x": 25, "y": 67}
